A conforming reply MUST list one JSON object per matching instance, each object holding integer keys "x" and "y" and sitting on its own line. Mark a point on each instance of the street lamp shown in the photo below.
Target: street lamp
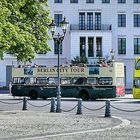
{"x": 58, "y": 38}
{"x": 112, "y": 52}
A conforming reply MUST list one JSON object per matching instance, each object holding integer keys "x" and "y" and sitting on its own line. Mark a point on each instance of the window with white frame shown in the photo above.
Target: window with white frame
{"x": 136, "y": 20}
{"x": 121, "y": 1}
{"x": 89, "y": 1}
{"x": 90, "y": 46}
{"x": 98, "y": 21}
{"x": 57, "y": 1}
{"x": 105, "y": 1}
{"x": 73, "y": 1}
{"x": 89, "y": 21}
{"x": 136, "y": 1}
{"x": 121, "y": 45}
{"x": 82, "y": 46}
{"x": 121, "y": 20}
{"x": 82, "y": 21}
{"x": 99, "y": 47}
{"x": 136, "y": 45}
{"x": 58, "y": 19}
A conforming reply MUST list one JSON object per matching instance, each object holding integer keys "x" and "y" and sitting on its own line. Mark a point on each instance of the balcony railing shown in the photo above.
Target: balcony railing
{"x": 90, "y": 27}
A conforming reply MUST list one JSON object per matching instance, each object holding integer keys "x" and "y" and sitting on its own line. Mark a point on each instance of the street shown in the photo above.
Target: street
{"x": 121, "y": 106}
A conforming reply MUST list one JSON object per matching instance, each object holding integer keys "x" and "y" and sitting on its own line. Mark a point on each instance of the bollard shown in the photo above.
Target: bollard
{"x": 79, "y": 107}
{"x": 52, "y": 105}
{"x": 107, "y": 109}
{"x": 24, "y": 104}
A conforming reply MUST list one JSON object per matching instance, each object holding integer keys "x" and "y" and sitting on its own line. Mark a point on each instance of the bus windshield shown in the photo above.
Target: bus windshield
{"x": 137, "y": 82}
{"x": 137, "y": 66}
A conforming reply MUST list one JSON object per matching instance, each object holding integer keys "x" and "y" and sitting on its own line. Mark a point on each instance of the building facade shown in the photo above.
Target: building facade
{"x": 95, "y": 27}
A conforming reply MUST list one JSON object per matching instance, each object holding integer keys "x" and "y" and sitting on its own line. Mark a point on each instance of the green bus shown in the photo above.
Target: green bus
{"x": 88, "y": 82}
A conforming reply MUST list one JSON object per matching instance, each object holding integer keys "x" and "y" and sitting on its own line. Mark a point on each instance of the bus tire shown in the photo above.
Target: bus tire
{"x": 33, "y": 95}
{"x": 84, "y": 95}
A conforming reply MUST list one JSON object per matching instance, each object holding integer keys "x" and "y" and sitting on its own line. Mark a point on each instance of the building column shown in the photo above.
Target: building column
{"x": 94, "y": 46}
{"x": 86, "y": 47}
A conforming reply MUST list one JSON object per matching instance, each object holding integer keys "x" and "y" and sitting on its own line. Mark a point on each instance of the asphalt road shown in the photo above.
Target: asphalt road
{"x": 121, "y": 106}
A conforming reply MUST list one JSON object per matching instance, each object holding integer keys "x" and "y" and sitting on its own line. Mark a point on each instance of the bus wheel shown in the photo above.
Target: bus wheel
{"x": 33, "y": 95}
{"x": 84, "y": 95}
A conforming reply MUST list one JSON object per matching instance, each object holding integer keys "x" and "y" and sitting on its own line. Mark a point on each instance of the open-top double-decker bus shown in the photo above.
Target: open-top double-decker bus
{"x": 86, "y": 82}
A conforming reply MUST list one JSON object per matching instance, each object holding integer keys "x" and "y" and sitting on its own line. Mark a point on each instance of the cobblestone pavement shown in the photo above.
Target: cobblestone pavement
{"x": 29, "y": 125}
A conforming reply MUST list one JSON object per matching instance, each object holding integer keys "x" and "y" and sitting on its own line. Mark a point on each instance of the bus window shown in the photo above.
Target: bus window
{"x": 105, "y": 81}
{"x": 137, "y": 66}
{"x": 65, "y": 80}
{"x": 42, "y": 80}
{"x": 119, "y": 81}
{"x": 81, "y": 80}
{"x": 137, "y": 82}
{"x": 16, "y": 80}
{"x": 53, "y": 80}
{"x": 92, "y": 80}
{"x": 27, "y": 80}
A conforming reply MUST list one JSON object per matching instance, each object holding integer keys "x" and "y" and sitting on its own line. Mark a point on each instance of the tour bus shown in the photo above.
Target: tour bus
{"x": 136, "y": 85}
{"x": 86, "y": 82}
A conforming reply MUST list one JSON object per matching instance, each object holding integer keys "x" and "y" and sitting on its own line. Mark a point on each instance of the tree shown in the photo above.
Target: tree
{"x": 23, "y": 28}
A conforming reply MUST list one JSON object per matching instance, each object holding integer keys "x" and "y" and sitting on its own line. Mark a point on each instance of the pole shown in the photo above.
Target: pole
{"x": 58, "y": 108}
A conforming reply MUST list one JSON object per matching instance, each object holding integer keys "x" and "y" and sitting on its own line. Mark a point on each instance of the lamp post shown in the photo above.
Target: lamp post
{"x": 58, "y": 38}
{"x": 112, "y": 52}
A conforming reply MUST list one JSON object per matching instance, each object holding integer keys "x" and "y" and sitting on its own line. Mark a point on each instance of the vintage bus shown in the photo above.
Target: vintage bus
{"x": 136, "y": 83}
{"x": 86, "y": 82}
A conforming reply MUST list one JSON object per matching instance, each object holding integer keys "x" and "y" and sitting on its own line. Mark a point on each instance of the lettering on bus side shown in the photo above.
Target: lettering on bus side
{"x": 77, "y": 70}
{"x": 62, "y": 70}
{"x": 46, "y": 70}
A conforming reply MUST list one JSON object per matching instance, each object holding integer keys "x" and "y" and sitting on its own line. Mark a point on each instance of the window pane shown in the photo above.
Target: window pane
{"x": 82, "y": 21}
{"x": 105, "y": 81}
{"x": 136, "y": 1}
{"x": 82, "y": 46}
{"x": 105, "y": 1}
{"x": 97, "y": 21}
{"x": 57, "y": 1}
{"x": 121, "y": 20}
{"x": 90, "y": 47}
{"x": 89, "y": 1}
{"x": 121, "y": 45}
{"x": 121, "y": 1}
{"x": 137, "y": 20}
{"x": 136, "y": 45}
{"x": 73, "y": 1}
{"x": 89, "y": 21}
{"x": 58, "y": 19}
{"x": 137, "y": 66}
{"x": 98, "y": 47}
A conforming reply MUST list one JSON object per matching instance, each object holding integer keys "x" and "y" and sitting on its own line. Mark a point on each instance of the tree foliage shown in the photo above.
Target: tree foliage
{"x": 23, "y": 28}
{"x": 79, "y": 60}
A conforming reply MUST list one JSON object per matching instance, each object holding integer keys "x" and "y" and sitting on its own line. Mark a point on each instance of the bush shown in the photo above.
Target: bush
{"x": 79, "y": 60}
